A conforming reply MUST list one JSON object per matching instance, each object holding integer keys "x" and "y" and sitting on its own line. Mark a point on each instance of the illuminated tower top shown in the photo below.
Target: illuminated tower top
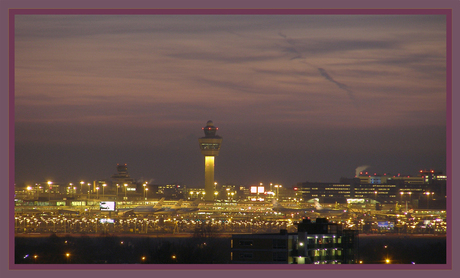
{"x": 210, "y": 130}
{"x": 210, "y": 143}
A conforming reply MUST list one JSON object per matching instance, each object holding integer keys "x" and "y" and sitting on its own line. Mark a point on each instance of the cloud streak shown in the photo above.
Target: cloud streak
{"x": 298, "y": 55}
{"x": 342, "y": 86}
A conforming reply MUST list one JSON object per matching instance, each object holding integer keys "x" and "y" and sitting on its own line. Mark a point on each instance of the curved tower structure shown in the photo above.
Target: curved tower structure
{"x": 210, "y": 147}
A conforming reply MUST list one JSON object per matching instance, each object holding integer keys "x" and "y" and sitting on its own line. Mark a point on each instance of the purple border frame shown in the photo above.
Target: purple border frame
{"x": 449, "y": 66}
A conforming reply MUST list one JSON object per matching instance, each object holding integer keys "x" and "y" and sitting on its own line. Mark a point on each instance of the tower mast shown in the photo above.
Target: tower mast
{"x": 210, "y": 147}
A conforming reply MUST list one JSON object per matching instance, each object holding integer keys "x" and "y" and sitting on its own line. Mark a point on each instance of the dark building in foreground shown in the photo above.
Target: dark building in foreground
{"x": 317, "y": 242}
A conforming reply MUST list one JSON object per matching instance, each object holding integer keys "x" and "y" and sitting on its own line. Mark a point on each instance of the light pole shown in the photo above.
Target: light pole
{"x": 37, "y": 192}
{"x": 103, "y": 187}
{"x": 144, "y": 185}
{"x": 28, "y": 191}
{"x": 126, "y": 186}
{"x": 427, "y": 200}
{"x": 387, "y": 260}
{"x": 81, "y": 187}
{"x": 97, "y": 192}
{"x": 89, "y": 190}
{"x": 117, "y": 190}
{"x": 49, "y": 190}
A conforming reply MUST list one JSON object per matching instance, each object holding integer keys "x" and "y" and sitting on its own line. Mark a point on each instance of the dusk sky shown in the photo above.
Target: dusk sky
{"x": 295, "y": 97}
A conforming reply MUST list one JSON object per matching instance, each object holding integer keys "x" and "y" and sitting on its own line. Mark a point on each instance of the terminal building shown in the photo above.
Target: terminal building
{"x": 317, "y": 242}
{"x": 428, "y": 186}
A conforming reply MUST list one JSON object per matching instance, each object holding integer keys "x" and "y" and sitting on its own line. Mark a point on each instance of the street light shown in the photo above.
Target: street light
{"x": 97, "y": 192}
{"x": 427, "y": 200}
{"x": 103, "y": 187}
{"x": 37, "y": 187}
{"x": 28, "y": 190}
{"x": 125, "y": 185}
{"x": 81, "y": 187}
{"x": 49, "y": 190}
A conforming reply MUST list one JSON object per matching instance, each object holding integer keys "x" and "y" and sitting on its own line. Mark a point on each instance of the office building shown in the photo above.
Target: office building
{"x": 317, "y": 242}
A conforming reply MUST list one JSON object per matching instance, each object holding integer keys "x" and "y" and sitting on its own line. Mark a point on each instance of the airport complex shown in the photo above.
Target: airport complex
{"x": 252, "y": 215}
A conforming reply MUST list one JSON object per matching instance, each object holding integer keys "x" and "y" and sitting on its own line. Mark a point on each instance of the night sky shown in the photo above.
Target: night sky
{"x": 295, "y": 97}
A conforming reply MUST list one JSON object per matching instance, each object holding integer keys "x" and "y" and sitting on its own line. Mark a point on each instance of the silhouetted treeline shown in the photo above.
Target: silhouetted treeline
{"x": 112, "y": 249}
{"x": 403, "y": 250}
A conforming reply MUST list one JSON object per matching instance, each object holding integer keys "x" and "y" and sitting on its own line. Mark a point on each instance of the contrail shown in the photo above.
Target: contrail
{"x": 340, "y": 85}
{"x": 322, "y": 71}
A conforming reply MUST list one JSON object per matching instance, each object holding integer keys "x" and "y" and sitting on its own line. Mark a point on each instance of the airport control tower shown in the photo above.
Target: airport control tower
{"x": 210, "y": 146}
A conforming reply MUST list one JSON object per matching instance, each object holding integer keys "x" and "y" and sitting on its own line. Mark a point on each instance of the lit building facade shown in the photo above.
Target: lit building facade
{"x": 317, "y": 242}
{"x": 172, "y": 191}
{"x": 210, "y": 146}
{"x": 428, "y": 186}
{"x": 326, "y": 192}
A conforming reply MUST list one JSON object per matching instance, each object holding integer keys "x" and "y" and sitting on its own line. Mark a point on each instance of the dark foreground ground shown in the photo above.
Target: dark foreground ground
{"x": 117, "y": 249}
